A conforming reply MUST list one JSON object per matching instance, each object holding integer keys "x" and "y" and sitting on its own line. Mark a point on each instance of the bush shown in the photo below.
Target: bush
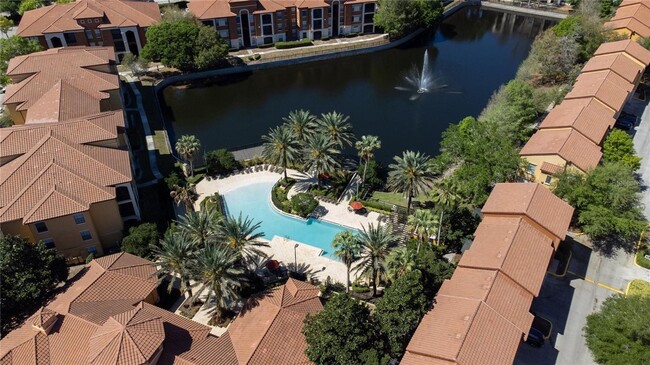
{"x": 279, "y": 195}
{"x": 257, "y": 56}
{"x": 400, "y": 17}
{"x": 174, "y": 180}
{"x": 195, "y": 179}
{"x": 293, "y": 44}
{"x": 214, "y": 201}
{"x": 303, "y": 204}
{"x": 219, "y": 162}
{"x": 141, "y": 240}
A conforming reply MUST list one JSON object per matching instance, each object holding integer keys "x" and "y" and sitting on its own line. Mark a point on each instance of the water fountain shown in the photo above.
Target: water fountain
{"x": 421, "y": 81}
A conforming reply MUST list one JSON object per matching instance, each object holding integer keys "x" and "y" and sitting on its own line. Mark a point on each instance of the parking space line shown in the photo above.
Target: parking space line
{"x": 597, "y": 283}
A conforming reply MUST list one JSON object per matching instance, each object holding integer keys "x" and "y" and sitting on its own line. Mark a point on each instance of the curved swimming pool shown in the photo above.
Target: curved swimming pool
{"x": 252, "y": 200}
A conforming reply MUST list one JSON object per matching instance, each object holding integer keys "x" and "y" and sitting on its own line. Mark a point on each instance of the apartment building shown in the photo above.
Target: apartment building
{"x": 121, "y": 24}
{"x": 632, "y": 19}
{"x": 254, "y": 23}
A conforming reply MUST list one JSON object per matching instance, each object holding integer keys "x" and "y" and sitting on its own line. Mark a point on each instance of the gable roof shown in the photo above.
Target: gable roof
{"x": 533, "y": 201}
{"x": 512, "y": 246}
{"x": 619, "y": 63}
{"x": 58, "y": 18}
{"x": 572, "y": 146}
{"x": 606, "y": 86}
{"x": 628, "y": 47}
{"x": 60, "y": 84}
{"x": 631, "y": 24}
{"x": 589, "y": 117}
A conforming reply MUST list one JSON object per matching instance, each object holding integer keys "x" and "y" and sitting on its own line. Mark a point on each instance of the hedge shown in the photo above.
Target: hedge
{"x": 293, "y": 44}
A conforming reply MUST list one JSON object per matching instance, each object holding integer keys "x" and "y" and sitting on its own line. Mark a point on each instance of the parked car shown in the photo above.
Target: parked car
{"x": 626, "y": 121}
{"x": 535, "y": 337}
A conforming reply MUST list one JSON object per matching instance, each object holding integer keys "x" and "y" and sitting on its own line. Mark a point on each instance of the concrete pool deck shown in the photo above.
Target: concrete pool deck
{"x": 308, "y": 257}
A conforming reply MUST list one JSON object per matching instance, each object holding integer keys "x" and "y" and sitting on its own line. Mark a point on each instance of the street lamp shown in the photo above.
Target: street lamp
{"x": 295, "y": 258}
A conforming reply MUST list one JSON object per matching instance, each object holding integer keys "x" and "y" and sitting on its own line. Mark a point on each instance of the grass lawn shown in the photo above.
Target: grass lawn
{"x": 639, "y": 287}
{"x": 641, "y": 260}
{"x": 395, "y": 198}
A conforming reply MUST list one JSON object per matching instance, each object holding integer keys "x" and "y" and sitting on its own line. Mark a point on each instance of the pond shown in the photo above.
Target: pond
{"x": 471, "y": 54}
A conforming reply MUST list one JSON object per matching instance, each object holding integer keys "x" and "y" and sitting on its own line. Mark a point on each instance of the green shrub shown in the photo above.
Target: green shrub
{"x": 219, "y": 162}
{"x": 360, "y": 288}
{"x": 302, "y": 204}
{"x": 173, "y": 180}
{"x": 257, "y": 56}
{"x": 195, "y": 179}
{"x": 214, "y": 201}
{"x": 293, "y": 44}
{"x": 90, "y": 257}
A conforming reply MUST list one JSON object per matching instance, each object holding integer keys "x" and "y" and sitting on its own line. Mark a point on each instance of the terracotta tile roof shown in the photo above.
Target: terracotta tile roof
{"x": 210, "y": 9}
{"x": 495, "y": 289}
{"x": 57, "y": 177}
{"x": 606, "y": 86}
{"x": 551, "y": 169}
{"x": 638, "y": 11}
{"x": 572, "y": 146}
{"x": 463, "y": 331}
{"x": 310, "y": 4}
{"x": 210, "y": 351}
{"x": 268, "y": 6}
{"x": 533, "y": 201}
{"x": 646, "y": 3}
{"x": 629, "y": 47}
{"x": 57, "y": 85}
{"x": 630, "y": 24}
{"x": 127, "y": 335}
{"x": 587, "y": 116}
{"x": 18, "y": 139}
{"x": 512, "y": 246}
{"x": 63, "y": 17}
{"x": 619, "y": 63}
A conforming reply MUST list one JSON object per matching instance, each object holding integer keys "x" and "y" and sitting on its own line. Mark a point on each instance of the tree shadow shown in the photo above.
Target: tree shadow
{"x": 609, "y": 246}
{"x": 319, "y": 212}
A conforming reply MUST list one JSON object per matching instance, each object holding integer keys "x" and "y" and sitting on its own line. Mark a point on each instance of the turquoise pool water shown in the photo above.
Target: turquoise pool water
{"x": 253, "y": 201}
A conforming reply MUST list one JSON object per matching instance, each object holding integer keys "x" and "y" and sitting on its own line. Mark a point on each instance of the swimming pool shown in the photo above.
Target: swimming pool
{"x": 253, "y": 201}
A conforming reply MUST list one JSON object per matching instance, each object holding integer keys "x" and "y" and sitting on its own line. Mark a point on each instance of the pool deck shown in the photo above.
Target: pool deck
{"x": 282, "y": 249}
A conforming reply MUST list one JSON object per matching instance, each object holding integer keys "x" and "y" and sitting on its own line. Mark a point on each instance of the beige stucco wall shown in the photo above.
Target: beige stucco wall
{"x": 108, "y": 222}
{"x": 16, "y": 228}
{"x": 539, "y": 176}
{"x": 17, "y": 117}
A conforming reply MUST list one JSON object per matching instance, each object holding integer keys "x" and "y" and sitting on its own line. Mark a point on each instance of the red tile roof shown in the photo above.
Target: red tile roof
{"x": 551, "y": 169}
{"x": 572, "y": 146}
{"x": 631, "y": 24}
{"x": 619, "y": 63}
{"x": 587, "y": 116}
{"x": 59, "y": 18}
{"x": 512, "y": 246}
{"x": 533, "y": 201}
{"x": 629, "y": 47}
{"x": 606, "y": 86}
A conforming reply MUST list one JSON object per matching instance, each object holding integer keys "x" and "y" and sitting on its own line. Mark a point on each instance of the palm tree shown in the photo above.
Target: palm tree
{"x": 320, "y": 155}
{"x": 184, "y": 195}
{"x": 366, "y": 147}
{"x": 400, "y": 261}
{"x": 188, "y": 146}
{"x": 444, "y": 195}
{"x": 301, "y": 123}
{"x": 424, "y": 222}
{"x": 347, "y": 248}
{"x": 218, "y": 269}
{"x": 281, "y": 147}
{"x": 201, "y": 226}
{"x": 175, "y": 257}
{"x": 410, "y": 175}
{"x": 376, "y": 243}
{"x": 242, "y": 235}
{"x": 336, "y": 127}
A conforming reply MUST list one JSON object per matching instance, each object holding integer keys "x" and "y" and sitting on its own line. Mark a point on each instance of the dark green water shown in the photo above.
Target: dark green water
{"x": 473, "y": 52}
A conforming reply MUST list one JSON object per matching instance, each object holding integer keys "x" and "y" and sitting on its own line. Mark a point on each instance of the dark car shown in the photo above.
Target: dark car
{"x": 626, "y": 121}
{"x": 535, "y": 338}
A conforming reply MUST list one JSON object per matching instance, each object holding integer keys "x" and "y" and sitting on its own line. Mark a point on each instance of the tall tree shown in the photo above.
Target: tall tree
{"x": 28, "y": 274}
{"x": 335, "y": 126}
{"x": 201, "y": 226}
{"x": 242, "y": 235}
{"x": 186, "y": 195}
{"x": 344, "y": 332}
{"x": 400, "y": 261}
{"x": 618, "y": 334}
{"x": 188, "y": 146}
{"x": 281, "y": 147}
{"x": 320, "y": 155}
{"x": 302, "y": 124}
{"x": 376, "y": 243}
{"x": 424, "y": 223}
{"x": 218, "y": 269}
{"x": 175, "y": 256}
{"x": 410, "y": 175}
{"x": 400, "y": 310}
{"x": 141, "y": 240}
{"x": 366, "y": 147}
{"x": 347, "y": 248}
{"x": 619, "y": 147}
{"x": 5, "y": 25}
{"x": 443, "y": 194}
{"x": 399, "y": 17}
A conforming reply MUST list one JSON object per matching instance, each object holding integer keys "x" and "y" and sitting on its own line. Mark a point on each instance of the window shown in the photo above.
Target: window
{"x": 209, "y": 23}
{"x": 279, "y": 15}
{"x": 318, "y": 13}
{"x": 86, "y": 236}
{"x": 98, "y": 33}
{"x": 279, "y": 26}
{"x": 369, "y": 8}
{"x": 70, "y": 37}
{"x": 303, "y": 12}
{"x": 92, "y": 44}
{"x": 238, "y": 20}
{"x": 356, "y": 19}
{"x": 356, "y": 28}
{"x": 356, "y": 7}
{"x": 266, "y": 19}
{"x": 224, "y": 34}
{"x": 531, "y": 168}
{"x": 318, "y": 24}
{"x": 304, "y": 24}
{"x": 293, "y": 10}
{"x": 89, "y": 34}
{"x": 268, "y": 40}
{"x": 222, "y": 22}
{"x": 49, "y": 243}
{"x": 267, "y": 25}
{"x": 548, "y": 180}
{"x": 304, "y": 34}
{"x": 79, "y": 218}
{"x": 40, "y": 227}
{"x": 118, "y": 42}
{"x": 116, "y": 34}
{"x": 368, "y": 18}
